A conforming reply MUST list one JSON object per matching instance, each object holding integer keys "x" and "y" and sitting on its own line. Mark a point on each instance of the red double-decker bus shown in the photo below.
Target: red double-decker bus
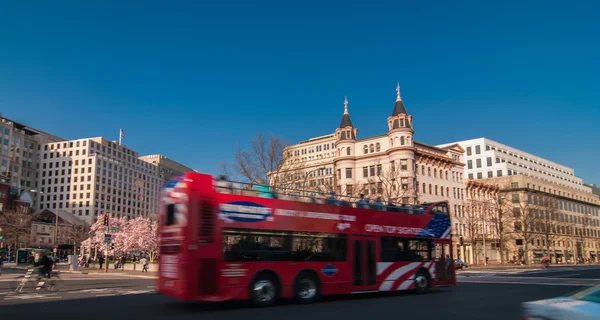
{"x": 221, "y": 244}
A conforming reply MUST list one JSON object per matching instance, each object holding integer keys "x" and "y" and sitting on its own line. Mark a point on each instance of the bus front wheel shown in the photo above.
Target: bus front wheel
{"x": 307, "y": 288}
{"x": 265, "y": 290}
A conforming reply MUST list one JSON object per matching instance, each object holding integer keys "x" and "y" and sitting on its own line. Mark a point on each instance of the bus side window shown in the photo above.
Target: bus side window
{"x": 170, "y": 215}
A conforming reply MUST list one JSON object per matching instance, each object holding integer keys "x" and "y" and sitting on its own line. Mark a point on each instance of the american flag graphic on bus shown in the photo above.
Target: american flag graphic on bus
{"x": 438, "y": 227}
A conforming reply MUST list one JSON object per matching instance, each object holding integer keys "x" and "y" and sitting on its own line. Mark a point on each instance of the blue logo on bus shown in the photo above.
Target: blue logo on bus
{"x": 329, "y": 270}
{"x": 245, "y": 211}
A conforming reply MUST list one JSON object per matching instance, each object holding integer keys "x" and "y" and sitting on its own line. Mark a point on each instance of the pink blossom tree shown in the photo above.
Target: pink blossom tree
{"x": 117, "y": 237}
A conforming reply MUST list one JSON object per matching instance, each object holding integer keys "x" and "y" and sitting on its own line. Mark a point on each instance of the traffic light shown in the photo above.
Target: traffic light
{"x": 112, "y": 246}
{"x": 106, "y": 220}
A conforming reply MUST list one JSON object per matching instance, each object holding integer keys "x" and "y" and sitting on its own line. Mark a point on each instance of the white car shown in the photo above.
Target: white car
{"x": 581, "y": 305}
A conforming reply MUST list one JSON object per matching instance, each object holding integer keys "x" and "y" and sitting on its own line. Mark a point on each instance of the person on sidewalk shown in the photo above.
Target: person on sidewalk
{"x": 144, "y": 263}
{"x": 100, "y": 261}
{"x": 2, "y": 257}
{"x": 123, "y": 260}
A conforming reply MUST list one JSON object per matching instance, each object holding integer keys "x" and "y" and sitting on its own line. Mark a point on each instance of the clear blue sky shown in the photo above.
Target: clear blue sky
{"x": 189, "y": 79}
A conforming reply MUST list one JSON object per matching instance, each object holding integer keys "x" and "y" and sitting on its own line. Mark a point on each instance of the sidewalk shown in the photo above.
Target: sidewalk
{"x": 112, "y": 271}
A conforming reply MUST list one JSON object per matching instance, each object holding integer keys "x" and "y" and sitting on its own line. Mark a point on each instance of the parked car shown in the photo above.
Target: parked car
{"x": 459, "y": 264}
{"x": 580, "y": 305}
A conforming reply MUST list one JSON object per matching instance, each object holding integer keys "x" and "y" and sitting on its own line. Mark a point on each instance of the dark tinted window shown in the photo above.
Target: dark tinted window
{"x": 256, "y": 245}
{"x": 405, "y": 249}
{"x": 170, "y": 218}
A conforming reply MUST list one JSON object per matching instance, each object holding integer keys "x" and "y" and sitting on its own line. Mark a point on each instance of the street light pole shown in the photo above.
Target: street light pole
{"x": 484, "y": 246}
{"x": 56, "y": 227}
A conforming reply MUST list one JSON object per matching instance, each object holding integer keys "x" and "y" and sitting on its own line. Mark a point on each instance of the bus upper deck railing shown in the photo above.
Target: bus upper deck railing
{"x": 321, "y": 197}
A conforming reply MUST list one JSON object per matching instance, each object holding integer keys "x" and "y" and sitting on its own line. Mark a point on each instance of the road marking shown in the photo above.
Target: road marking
{"x": 532, "y": 283}
{"x": 106, "y": 295}
{"x": 553, "y": 278}
{"x": 562, "y": 275}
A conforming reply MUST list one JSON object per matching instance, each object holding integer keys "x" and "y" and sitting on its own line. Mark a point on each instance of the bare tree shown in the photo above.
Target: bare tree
{"x": 391, "y": 182}
{"x": 471, "y": 220}
{"x": 268, "y": 160}
{"x": 76, "y": 233}
{"x": 547, "y": 222}
{"x": 16, "y": 225}
{"x": 524, "y": 214}
{"x": 501, "y": 220}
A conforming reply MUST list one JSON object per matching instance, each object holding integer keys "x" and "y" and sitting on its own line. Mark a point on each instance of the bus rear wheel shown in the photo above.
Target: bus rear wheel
{"x": 307, "y": 288}
{"x": 264, "y": 291}
{"x": 421, "y": 282}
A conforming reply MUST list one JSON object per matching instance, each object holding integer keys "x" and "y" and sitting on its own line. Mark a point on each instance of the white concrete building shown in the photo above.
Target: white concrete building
{"x": 19, "y": 156}
{"x": 165, "y": 167}
{"x": 90, "y": 177}
{"x": 486, "y": 158}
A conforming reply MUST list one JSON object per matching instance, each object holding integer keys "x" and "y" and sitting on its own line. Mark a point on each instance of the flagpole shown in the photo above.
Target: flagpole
{"x": 120, "y": 135}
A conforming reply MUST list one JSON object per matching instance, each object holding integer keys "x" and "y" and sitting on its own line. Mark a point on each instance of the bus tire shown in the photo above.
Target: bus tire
{"x": 264, "y": 290}
{"x": 422, "y": 281}
{"x": 307, "y": 288}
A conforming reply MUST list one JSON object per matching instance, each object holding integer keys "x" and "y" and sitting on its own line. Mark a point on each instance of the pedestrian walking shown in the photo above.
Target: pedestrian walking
{"x": 2, "y": 257}
{"x": 100, "y": 261}
{"x": 144, "y": 263}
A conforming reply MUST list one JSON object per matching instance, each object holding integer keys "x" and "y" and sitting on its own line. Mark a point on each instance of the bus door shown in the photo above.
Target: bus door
{"x": 444, "y": 268}
{"x": 205, "y": 246}
{"x": 364, "y": 263}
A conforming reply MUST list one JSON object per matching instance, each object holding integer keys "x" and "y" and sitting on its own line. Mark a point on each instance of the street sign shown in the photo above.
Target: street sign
{"x": 107, "y": 238}
{"x": 114, "y": 228}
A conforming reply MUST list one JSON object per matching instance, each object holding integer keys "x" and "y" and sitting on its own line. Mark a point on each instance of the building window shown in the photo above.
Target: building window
{"x": 479, "y": 175}
{"x": 365, "y": 172}
{"x": 372, "y": 171}
{"x": 478, "y": 163}
{"x": 379, "y": 169}
{"x": 401, "y": 141}
{"x": 372, "y": 148}
{"x": 490, "y": 174}
{"x": 377, "y": 147}
{"x": 366, "y": 149}
{"x": 489, "y": 161}
{"x": 348, "y": 173}
{"x": 469, "y": 152}
{"x": 403, "y": 164}
{"x": 348, "y": 151}
{"x": 499, "y": 173}
{"x": 477, "y": 149}
{"x": 470, "y": 164}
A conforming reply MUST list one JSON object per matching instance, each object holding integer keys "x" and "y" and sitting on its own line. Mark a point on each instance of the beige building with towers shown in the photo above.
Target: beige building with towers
{"x": 392, "y": 165}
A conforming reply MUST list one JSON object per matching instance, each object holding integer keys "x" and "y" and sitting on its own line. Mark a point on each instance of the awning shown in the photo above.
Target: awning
{"x": 538, "y": 251}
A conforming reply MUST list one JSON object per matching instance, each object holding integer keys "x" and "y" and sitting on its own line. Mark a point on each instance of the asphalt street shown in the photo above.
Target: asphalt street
{"x": 73, "y": 286}
{"x": 475, "y": 297}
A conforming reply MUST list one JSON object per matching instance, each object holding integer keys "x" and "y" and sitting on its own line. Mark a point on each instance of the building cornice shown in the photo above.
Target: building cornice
{"x": 533, "y": 191}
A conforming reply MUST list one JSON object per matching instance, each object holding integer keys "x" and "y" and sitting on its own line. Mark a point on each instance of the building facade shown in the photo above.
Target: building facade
{"x": 546, "y": 218}
{"x": 19, "y": 155}
{"x": 94, "y": 176}
{"x": 71, "y": 230}
{"x": 486, "y": 158}
{"x": 476, "y": 227}
{"x": 392, "y": 166}
{"x": 165, "y": 167}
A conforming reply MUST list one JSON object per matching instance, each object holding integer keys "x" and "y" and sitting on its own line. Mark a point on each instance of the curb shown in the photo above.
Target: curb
{"x": 112, "y": 274}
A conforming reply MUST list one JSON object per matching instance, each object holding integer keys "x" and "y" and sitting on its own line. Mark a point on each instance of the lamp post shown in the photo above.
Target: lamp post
{"x": 501, "y": 229}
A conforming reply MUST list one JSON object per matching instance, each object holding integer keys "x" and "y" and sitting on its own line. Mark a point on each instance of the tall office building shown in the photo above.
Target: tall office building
{"x": 94, "y": 176}
{"x": 165, "y": 167}
{"x": 486, "y": 158}
{"x": 20, "y": 147}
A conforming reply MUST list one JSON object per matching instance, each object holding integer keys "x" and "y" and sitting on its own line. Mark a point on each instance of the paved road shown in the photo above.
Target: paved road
{"x": 475, "y": 297}
{"x": 466, "y": 301}
{"x": 74, "y": 286}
